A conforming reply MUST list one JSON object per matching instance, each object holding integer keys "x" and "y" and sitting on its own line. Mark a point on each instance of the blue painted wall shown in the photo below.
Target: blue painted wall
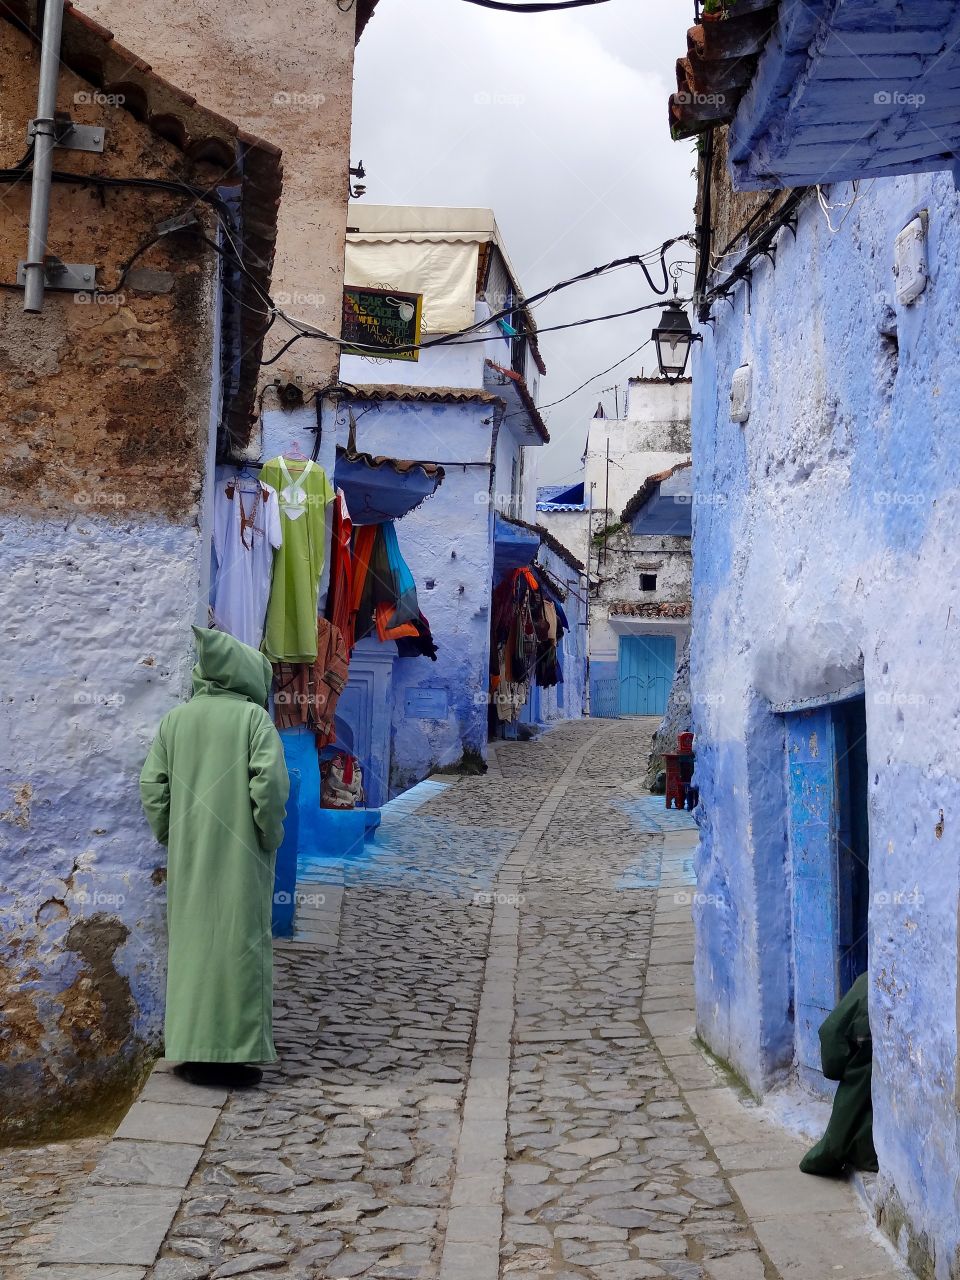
{"x": 826, "y": 550}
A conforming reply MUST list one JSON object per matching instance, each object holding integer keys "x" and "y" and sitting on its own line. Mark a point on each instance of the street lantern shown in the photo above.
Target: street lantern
{"x": 674, "y": 337}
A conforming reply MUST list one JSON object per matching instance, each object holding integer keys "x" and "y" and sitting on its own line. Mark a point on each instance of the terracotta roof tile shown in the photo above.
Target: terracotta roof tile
{"x": 433, "y": 395}
{"x": 650, "y": 609}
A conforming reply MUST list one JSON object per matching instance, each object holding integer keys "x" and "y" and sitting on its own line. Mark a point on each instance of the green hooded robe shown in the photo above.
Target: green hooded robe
{"x": 214, "y": 788}
{"x": 846, "y": 1051}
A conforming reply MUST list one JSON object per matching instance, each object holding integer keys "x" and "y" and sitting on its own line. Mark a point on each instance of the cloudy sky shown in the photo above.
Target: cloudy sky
{"x": 558, "y": 123}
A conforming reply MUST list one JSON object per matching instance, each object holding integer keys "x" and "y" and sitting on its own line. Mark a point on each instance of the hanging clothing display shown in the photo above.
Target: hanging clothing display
{"x": 340, "y": 592}
{"x": 385, "y": 594}
{"x": 528, "y": 625}
{"x": 246, "y": 535}
{"x": 303, "y": 493}
{"x": 306, "y": 694}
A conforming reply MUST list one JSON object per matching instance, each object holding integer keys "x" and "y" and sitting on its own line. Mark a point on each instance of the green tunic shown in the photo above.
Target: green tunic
{"x": 846, "y": 1051}
{"x": 290, "y": 634}
{"x": 214, "y": 788}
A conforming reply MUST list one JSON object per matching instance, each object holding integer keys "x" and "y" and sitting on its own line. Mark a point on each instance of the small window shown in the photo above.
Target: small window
{"x": 648, "y": 582}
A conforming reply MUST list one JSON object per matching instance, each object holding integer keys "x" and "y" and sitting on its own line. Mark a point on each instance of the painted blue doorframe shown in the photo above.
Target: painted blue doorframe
{"x": 826, "y": 761}
{"x": 647, "y": 665}
{"x": 813, "y": 843}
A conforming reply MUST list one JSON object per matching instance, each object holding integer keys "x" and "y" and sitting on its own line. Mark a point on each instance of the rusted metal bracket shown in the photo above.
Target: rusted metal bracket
{"x": 70, "y": 136}
{"x": 68, "y": 277}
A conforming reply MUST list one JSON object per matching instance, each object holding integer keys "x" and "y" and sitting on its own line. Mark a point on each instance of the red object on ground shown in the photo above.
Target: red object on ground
{"x": 679, "y": 765}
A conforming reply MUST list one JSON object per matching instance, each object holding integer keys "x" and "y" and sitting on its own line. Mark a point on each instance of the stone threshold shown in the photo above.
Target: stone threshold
{"x": 808, "y": 1228}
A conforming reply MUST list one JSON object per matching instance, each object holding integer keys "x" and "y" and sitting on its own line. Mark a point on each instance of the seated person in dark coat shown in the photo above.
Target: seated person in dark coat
{"x": 846, "y": 1050}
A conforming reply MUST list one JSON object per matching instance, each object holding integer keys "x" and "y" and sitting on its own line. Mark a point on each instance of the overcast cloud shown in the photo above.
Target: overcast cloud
{"x": 557, "y": 122}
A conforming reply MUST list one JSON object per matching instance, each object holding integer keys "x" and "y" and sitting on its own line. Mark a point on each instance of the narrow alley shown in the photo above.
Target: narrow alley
{"x": 486, "y": 1070}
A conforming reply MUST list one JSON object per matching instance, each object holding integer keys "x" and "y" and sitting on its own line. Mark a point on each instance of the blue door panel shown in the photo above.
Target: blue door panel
{"x": 647, "y": 664}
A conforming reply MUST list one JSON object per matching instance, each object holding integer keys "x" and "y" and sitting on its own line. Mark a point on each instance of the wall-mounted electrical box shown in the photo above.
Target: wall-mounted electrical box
{"x": 910, "y": 260}
{"x": 741, "y": 393}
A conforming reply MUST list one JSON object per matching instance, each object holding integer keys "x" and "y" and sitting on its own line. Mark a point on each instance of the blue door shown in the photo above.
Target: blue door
{"x": 647, "y": 664}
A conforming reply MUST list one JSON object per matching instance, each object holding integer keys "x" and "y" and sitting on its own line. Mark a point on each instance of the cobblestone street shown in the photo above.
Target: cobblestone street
{"x": 486, "y": 1070}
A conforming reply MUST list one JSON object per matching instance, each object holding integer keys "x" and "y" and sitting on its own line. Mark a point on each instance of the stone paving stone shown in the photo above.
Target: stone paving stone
{"x": 160, "y": 1164}
{"x": 120, "y": 1225}
{"x": 776, "y": 1193}
{"x": 164, "y": 1086}
{"x": 88, "y": 1273}
{"x": 168, "y": 1122}
{"x": 808, "y": 1247}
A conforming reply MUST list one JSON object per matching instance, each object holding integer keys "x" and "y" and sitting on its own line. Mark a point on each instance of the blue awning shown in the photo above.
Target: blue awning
{"x": 669, "y": 508}
{"x": 379, "y": 489}
{"x": 514, "y": 546}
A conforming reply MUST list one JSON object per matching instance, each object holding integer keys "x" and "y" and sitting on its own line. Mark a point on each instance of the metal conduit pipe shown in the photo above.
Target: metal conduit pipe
{"x": 44, "y": 143}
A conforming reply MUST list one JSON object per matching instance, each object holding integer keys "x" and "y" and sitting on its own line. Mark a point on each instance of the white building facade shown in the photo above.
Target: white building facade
{"x": 640, "y": 581}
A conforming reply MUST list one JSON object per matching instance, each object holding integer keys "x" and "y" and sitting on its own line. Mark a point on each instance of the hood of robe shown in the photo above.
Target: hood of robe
{"x": 225, "y": 665}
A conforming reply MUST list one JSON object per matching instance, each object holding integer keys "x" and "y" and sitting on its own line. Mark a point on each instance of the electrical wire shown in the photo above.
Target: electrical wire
{"x": 826, "y": 208}
{"x": 506, "y": 6}
{"x": 224, "y": 212}
{"x": 640, "y": 260}
{"x": 570, "y": 394}
{"x": 576, "y": 324}
{"x": 302, "y": 330}
{"x": 26, "y": 159}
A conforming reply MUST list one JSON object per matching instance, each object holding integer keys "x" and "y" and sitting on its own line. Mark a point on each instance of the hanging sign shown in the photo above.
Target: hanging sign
{"x": 384, "y": 319}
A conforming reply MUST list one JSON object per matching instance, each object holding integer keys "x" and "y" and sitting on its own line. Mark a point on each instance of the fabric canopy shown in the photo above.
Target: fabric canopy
{"x": 444, "y": 272}
{"x": 513, "y": 547}
{"x": 379, "y": 489}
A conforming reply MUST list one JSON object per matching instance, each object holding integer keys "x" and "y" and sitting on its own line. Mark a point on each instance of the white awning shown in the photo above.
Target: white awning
{"x": 444, "y": 271}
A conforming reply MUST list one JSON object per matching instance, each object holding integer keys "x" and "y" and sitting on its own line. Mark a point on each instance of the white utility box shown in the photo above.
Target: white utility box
{"x": 910, "y": 260}
{"x": 741, "y": 393}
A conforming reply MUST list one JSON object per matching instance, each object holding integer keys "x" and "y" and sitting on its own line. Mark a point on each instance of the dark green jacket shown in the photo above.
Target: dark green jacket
{"x": 846, "y": 1051}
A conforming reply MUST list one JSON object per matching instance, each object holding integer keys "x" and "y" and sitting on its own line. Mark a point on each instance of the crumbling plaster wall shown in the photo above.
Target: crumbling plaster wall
{"x": 832, "y": 541}
{"x": 628, "y": 556}
{"x": 107, "y": 412}
{"x": 285, "y": 74}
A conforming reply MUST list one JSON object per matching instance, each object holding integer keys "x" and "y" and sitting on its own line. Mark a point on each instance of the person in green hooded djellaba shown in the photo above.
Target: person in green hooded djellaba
{"x": 214, "y": 788}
